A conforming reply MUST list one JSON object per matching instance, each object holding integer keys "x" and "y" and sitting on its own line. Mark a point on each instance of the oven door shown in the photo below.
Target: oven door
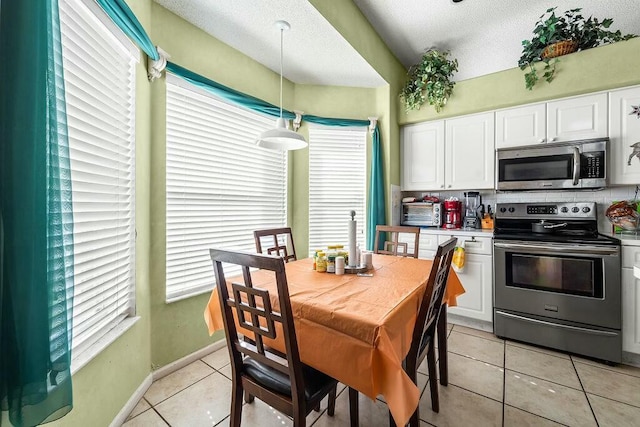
{"x": 573, "y": 282}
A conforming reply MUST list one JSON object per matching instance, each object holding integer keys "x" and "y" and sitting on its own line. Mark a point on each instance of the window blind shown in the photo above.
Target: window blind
{"x": 337, "y": 184}
{"x": 99, "y": 75}
{"x": 219, "y": 185}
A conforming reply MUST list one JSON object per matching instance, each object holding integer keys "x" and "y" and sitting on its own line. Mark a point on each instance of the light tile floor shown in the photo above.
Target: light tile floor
{"x": 492, "y": 382}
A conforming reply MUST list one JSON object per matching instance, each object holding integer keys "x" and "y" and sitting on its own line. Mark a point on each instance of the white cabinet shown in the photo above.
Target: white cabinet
{"x": 630, "y": 299}
{"x": 624, "y": 133}
{"x": 476, "y": 278}
{"x": 581, "y": 117}
{"x": 469, "y": 152}
{"x": 520, "y": 126}
{"x": 422, "y": 156}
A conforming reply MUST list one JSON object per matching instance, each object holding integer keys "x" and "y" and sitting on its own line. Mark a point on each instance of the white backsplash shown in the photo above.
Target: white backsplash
{"x": 603, "y": 198}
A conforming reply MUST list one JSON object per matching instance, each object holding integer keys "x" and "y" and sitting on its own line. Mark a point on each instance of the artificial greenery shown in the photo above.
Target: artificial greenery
{"x": 430, "y": 80}
{"x": 549, "y": 29}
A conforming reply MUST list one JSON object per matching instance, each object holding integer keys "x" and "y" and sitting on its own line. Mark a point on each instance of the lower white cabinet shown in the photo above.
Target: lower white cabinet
{"x": 477, "y": 279}
{"x": 630, "y": 311}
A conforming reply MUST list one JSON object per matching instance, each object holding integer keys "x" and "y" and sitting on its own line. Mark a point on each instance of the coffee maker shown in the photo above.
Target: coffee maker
{"x": 452, "y": 214}
{"x": 472, "y": 202}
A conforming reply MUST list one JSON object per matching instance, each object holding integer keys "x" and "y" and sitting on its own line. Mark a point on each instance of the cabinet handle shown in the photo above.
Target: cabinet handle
{"x": 541, "y": 140}
{"x": 449, "y": 185}
{"x": 555, "y": 138}
{"x": 442, "y": 186}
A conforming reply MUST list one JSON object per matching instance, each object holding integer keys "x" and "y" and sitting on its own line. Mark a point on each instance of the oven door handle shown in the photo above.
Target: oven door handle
{"x": 576, "y": 166}
{"x": 557, "y": 325}
{"x": 560, "y": 249}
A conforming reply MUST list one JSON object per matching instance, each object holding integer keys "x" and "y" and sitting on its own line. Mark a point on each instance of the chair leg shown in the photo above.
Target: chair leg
{"x": 392, "y": 422}
{"x": 442, "y": 345}
{"x": 248, "y": 397}
{"x": 317, "y": 407}
{"x": 353, "y": 407}
{"x": 236, "y": 404}
{"x": 331, "y": 401}
{"x": 433, "y": 380}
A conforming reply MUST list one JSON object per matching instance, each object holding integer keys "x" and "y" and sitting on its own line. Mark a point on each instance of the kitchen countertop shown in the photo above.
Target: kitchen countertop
{"x": 477, "y": 232}
{"x": 626, "y": 239}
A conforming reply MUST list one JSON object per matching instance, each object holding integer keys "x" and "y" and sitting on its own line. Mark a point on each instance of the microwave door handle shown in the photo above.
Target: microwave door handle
{"x": 576, "y": 165}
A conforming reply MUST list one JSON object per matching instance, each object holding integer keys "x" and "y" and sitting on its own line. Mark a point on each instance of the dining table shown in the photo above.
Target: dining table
{"x": 355, "y": 328}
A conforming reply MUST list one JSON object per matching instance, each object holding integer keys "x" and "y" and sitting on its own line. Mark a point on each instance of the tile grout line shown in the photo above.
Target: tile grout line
{"x": 160, "y": 415}
{"x": 179, "y": 391}
{"x": 584, "y": 391}
{"x": 538, "y": 415}
{"x": 605, "y": 367}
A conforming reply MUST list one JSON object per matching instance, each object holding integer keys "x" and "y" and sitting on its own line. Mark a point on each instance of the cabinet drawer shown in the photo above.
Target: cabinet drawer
{"x": 630, "y": 256}
{"x": 472, "y": 245}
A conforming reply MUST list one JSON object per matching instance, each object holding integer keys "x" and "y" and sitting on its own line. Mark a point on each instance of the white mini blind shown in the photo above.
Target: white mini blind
{"x": 337, "y": 184}
{"x": 99, "y": 75}
{"x": 220, "y": 187}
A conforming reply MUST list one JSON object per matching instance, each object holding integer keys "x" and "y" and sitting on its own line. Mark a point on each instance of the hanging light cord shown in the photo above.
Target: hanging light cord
{"x": 281, "y": 49}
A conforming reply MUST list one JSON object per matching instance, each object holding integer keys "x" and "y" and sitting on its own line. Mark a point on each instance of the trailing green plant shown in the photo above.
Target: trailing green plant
{"x": 550, "y": 28}
{"x": 429, "y": 80}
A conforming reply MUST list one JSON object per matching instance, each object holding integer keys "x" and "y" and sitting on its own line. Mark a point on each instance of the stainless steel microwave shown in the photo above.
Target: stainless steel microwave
{"x": 563, "y": 165}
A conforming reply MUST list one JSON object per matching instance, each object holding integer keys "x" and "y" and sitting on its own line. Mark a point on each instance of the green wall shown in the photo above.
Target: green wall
{"x": 592, "y": 70}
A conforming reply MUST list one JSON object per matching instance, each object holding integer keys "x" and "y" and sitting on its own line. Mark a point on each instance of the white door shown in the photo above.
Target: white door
{"x": 469, "y": 152}
{"x": 624, "y": 132}
{"x": 423, "y": 156}
{"x": 520, "y": 126}
{"x": 476, "y": 278}
{"x": 582, "y": 117}
{"x": 630, "y": 312}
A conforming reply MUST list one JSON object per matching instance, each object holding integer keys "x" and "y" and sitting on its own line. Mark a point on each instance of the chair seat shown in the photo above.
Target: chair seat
{"x": 316, "y": 383}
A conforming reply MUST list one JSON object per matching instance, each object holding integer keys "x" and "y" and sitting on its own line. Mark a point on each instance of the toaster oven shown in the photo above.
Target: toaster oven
{"x": 422, "y": 214}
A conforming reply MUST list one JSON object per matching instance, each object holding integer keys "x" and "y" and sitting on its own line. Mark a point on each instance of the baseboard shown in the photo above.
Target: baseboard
{"x": 470, "y": 323}
{"x": 190, "y": 358}
{"x": 631, "y": 359}
{"x": 132, "y": 402}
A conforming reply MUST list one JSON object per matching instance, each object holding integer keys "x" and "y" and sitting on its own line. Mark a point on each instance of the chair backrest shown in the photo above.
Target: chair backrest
{"x": 254, "y": 310}
{"x": 280, "y": 239}
{"x": 392, "y": 245}
{"x": 433, "y": 298}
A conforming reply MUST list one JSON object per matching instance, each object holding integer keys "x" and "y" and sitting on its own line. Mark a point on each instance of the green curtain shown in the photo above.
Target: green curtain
{"x": 231, "y": 95}
{"x": 376, "y": 205}
{"x": 36, "y": 222}
{"x": 124, "y": 18}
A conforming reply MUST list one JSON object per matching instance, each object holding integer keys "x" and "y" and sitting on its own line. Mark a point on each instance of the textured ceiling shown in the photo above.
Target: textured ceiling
{"x": 484, "y": 35}
{"x": 314, "y": 52}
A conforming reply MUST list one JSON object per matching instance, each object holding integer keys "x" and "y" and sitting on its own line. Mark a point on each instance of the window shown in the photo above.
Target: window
{"x": 337, "y": 181}
{"x": 220, "y": 186}
{"x": 99, "y": 74}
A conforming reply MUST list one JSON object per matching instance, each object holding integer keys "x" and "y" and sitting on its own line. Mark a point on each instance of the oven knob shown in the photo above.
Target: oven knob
{"x": 564, "y": 209}
{"x": 503, "y": 210}
{"x": 575, "y": 209}
{"x": 586, "y": 209}
{"x": 512, "y": 209}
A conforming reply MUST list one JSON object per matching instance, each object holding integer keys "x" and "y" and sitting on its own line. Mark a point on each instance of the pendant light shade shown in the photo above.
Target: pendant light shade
{"x": 281, "y": 138}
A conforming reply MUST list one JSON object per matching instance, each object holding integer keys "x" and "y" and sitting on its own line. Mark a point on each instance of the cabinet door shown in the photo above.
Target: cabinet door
{"x": 630, "y": 311}
{"x": 423, "y": 156}
{"x": 624, "y": 132}
{"x": 477, "y": 279}
{"x": 520, "y": 126}
{"x": 582, "y": 117}
{"x": 469, "y": 152}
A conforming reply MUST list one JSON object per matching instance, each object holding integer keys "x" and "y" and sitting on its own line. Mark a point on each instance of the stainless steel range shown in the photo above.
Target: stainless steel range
{"x": 557, "y": 281}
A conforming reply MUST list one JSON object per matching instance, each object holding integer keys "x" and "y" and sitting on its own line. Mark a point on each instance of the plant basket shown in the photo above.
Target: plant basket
{"x": 560, "y": 48}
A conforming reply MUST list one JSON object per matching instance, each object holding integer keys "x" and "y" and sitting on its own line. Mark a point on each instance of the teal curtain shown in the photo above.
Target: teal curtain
{"x": 124, "y": 18}
{"x": 231, "y": 95}
{"x": 334, "y": 122}
{"x": 376, "y": 205}
{"x": 36, "y": 223}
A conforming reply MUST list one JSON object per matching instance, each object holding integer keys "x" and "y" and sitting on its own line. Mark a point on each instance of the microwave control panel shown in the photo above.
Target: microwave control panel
{"x": 592, "y": 165}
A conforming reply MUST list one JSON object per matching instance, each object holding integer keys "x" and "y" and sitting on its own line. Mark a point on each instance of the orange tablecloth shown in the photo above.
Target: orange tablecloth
{"x": 356, "y": 329}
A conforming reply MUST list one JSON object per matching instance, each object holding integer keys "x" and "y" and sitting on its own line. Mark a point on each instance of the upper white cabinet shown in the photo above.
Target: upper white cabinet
{"x": 520, "y": 126}
{"x": 469, "y": 152}
{"x": 582, "y": 117}
{"x": 624, "y": 133}
{"x": 422, "y": 156}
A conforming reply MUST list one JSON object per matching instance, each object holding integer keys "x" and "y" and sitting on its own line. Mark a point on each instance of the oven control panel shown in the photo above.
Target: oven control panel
{"x": 557, "y": 210}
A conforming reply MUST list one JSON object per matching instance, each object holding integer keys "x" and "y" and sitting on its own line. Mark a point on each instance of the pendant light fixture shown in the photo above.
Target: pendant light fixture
{"x": 281, "y": 138}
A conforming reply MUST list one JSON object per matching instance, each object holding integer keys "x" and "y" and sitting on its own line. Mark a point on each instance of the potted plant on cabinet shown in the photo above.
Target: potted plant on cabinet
{"x": 554, "y": 36}
{"x": 429, "y": 80}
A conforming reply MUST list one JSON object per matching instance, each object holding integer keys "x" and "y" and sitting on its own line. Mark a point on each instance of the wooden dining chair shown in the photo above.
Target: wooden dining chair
{"x": 280, "y": 240}
{"x": 279, "y": 379}
{"x": 424, "y": 331}
{"x": 392, "y": 245}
